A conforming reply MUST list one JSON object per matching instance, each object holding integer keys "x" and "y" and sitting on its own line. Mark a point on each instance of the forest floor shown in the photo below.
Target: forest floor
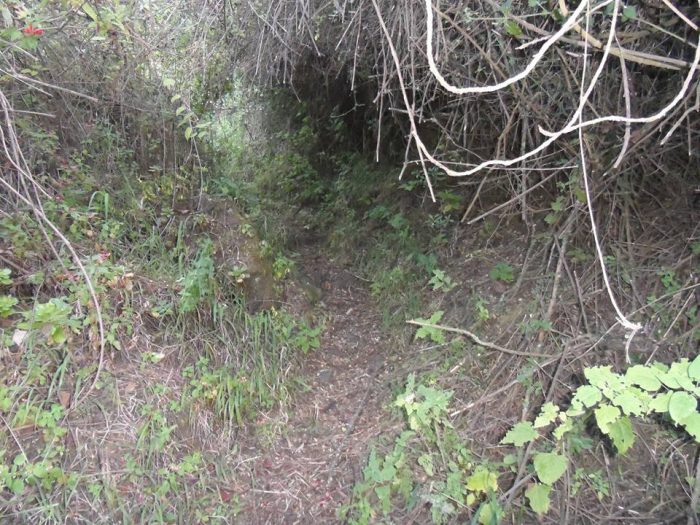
{"x": 307, "y": 470}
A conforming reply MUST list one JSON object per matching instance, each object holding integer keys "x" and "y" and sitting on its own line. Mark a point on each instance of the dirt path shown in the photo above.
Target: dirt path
{"x": 308, "y": 469}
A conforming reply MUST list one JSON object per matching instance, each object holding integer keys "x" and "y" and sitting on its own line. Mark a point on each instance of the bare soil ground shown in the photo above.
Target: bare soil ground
{"x": 308, "y": 469}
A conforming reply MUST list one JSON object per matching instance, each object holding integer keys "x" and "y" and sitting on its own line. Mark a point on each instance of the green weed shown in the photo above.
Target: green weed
{"x": 502, "y": 272}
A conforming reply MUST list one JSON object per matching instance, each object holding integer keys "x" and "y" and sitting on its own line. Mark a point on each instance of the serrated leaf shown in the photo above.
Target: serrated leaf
{"x": 588, "y": 395}
{"x": 605, "y": 379}
{"x": 548, "y": 414}
{"x": 621, "y": 434}
{"x": 482, "y": 480}
{"x": 681, "y": 405}
{"x": 566, "y": 426}
{"x": 538, "y": 496}
{"x": 520, "y": 434}
{"x": 630, "y": 403}
{"x": 549, "y": 466}
{"x": 644, "y": 377}
{"x": 605, "y": 415}
{"x": 694, "y": 369}
{"x": 434, "y": 334}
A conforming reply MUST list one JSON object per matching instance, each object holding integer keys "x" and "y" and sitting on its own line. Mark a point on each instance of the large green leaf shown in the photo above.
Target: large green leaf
{"x": 549, "y": 466}
{"x": 660, "y": 402}
{"x": 644, "y": 376}
{"x": 605, "y": 415}
{"x": 490, "y": 513}
{"x": 631, "y": 402}
{"x": 548, "y": 414}
{"x": 520, "y": 434}
{"x": 694, "y": 369}
{"x": 681, "y": 405}
{"x": 588, "y": 395}
{"x": 606, "y": 380}
{"x": 692, "y": 425}
{"x": 621, "y": 434}
{"x": 566, "y": 426}
{"x": 483, "y": 480}
{"x": 538, "y": 496}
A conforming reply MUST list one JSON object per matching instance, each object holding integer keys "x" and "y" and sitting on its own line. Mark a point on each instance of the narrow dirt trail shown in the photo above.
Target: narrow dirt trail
{"x": 322, "y": 440}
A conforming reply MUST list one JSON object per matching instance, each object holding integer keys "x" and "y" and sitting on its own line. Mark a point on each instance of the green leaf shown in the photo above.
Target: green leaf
{"x": 621, "y": 434}
{"x": 678, "y": 376}
{"x": 566, "y": 426}
{"x": 692, "y": 425}
{"x": 538, "y": 496}
{"x": 179, "y": 111}
{"x": 5, "y": 276}
{"x": 7, "y": 303}
{"x": 644, "y": 376}
{"x": 549, "y": 466}
{"x": 512, "y": 28}
{"x": 483, "y": 480}
{"x": 426, "y": 461}
{"x": 694, "y": 369}
{"x": 168, "y": 82}
{"x": 588, "y": 395}
{"x": 16, "y": 486}
{"x": 490, "y": 513}
{"x": 520, "y": 434}
{"x": 629, "y": 12}
{"x": 606, "y": 380}
{"x": 384, "y": 496}
{"x": 502, "y": 272}
{"x": 681, "y": 405}
{"x": 90, "y": 11}
{"x": 58, "y": 335}
{"x": 660, "y": 402}
{"x": 551, "y": 218}
{"x": 548, "y": 414}
{"x": 605, "y": 415}
{"x": 630, "y": 403}
{"x": 188, "y": 133}
{"x": 434, "y": 334}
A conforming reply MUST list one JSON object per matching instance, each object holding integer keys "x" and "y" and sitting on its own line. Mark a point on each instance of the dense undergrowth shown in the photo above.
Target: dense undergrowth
{"x": 403, "y": 245}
